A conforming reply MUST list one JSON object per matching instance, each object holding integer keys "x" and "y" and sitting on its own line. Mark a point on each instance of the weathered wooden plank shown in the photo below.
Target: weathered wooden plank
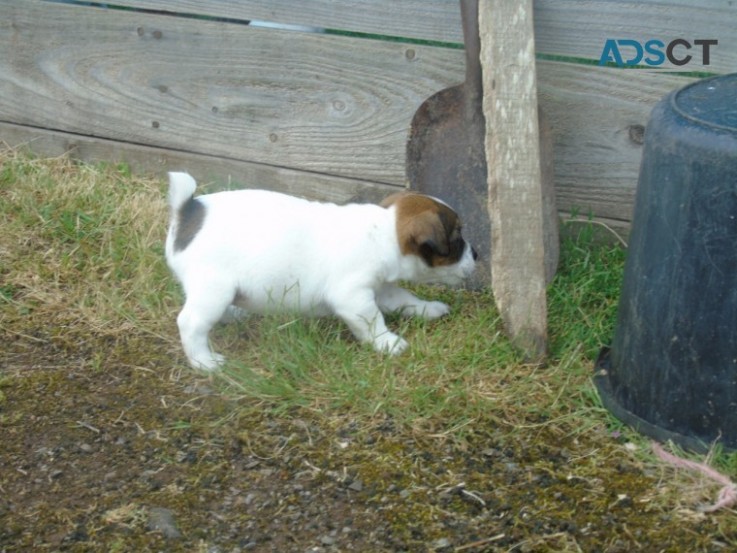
{"x": 579, "y": 29}
{"x": 562, "y": 27}
{"x": 98, "y": 75}
{"x": 236, "y": 174}
{"x": 327, "y": 104}
{"x": 597, "y": 117}
{"x": 437, "y": 20}
{"x": 208, "y": 169}
{"x": 514, "y": 172}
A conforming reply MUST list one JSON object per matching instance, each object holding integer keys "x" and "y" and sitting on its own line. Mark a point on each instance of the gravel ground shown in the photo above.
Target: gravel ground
{"x": 99, "y": 454}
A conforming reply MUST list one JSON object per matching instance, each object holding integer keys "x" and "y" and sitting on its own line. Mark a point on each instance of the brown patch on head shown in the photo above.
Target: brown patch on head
{"x": 191, "y": 218}
{"x": 427, "y": 228}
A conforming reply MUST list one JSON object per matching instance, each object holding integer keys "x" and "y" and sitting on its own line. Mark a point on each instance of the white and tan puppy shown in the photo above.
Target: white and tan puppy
{"x": 255, "y": 251}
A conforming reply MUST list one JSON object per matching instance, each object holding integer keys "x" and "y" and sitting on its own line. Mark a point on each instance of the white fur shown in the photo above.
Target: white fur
{"x": 278, "y": 252}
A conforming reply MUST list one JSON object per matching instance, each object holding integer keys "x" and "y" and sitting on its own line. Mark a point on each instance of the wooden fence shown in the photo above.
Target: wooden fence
{"x": 324, "y": 115}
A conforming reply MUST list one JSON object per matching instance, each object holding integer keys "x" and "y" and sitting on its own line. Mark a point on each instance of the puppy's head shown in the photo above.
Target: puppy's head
{"x": 430, "y": 230}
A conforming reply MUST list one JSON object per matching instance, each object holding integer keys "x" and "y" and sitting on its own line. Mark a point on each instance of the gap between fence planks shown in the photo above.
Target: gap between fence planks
{"x": 514, "y": 175}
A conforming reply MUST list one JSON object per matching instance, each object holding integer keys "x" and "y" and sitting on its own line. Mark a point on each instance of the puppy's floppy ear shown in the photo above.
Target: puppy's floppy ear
{"x": 425, "y": 234}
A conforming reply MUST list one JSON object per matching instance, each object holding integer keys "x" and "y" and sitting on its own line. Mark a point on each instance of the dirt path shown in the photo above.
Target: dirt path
{"x": 101, "y": 455}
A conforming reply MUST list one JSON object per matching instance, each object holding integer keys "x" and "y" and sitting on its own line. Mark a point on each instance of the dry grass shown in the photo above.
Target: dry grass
{"x": 81, "y": 248}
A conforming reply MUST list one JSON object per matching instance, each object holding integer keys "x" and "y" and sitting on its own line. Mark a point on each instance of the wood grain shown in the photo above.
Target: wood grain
{"x": 326, "y": 104}
{"x": 331, "y": 105}
{"x": 437, "y": 20}
{"x": 222, "y": 173}
{"x": 597, "y": 117}
{"x": 579, "y": 29}
{"x": 514, "y": 174}
{"x": 562, "y": 27}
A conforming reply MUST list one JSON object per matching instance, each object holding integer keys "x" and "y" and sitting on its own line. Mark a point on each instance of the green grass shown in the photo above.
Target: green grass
{"x": 316, "y": 363}
{"x": 83, "y": 248}
{"x": 81, "y": 260}
{"x": 459, "y": 369}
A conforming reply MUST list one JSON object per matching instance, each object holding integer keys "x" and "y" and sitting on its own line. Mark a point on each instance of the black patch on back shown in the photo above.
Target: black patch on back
{"x": 191, "y": 217}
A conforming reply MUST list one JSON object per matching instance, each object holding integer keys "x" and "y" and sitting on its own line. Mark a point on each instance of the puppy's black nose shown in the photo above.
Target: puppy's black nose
{"x": 474, "y": 253}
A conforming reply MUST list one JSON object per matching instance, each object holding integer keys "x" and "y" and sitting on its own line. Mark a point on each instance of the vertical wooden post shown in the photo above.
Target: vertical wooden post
{"x": 514, "y": 178}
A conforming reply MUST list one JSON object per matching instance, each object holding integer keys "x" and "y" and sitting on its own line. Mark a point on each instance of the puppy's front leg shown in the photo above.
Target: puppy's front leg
{"x": 360, "y": 312}
{"x": 392, "y": 298}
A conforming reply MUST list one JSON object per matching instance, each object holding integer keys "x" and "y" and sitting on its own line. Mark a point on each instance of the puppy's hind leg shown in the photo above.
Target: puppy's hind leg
{"x": 199, "y": 314}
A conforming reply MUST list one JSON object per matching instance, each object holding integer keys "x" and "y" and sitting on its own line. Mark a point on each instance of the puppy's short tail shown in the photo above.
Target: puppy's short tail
{"x": 181, "y": 189}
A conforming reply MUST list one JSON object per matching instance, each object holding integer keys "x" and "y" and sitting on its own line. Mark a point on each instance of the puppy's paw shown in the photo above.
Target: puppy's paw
{"x": 209, "y": 363}
{"x": 390, "y": 343}
{"x": 434, "y": 310}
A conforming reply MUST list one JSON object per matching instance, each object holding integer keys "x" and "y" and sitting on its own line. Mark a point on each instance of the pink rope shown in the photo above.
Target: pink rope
{"x": 727, "y": 495}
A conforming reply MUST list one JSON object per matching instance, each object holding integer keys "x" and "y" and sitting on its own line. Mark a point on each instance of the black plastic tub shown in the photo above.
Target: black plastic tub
{"x": 672, "y": 369}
